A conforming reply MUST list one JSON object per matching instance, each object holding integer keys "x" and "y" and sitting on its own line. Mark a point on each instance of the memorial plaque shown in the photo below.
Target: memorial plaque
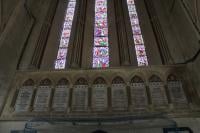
{"x": 61, "y": 98}
{"x": 177, "y": 94}
{"x": 119, "y": 97}
{"x": 138, "y": 95}
{"x": 99, "y": 97}
{"x": 42, "y": 99}
{"x": 24, "y": 98}
{"x": 158, "y": 95}
{"x": 80, "y": 98}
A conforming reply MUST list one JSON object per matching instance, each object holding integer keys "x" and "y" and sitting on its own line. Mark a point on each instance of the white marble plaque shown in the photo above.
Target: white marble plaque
{"x": 60, "y": 98}
{"x": 138, "y": 95}
{"x": 177, "y": 94}
{"x": 42, "y": 99}
{"x": 119, "y": 97}
{"x": 80, "y": 98}
{"x": 158, "y": 95}
{"x": 24, "y": 98}
{"x": 99, "y": 97}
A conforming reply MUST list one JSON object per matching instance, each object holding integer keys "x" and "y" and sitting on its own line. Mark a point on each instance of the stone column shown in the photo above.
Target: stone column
{"x": 1, "y": 15}
{"x": 41, "y": 43}
{"x": 158, "y": 32}
{"x": 121, "y": 33}
{"x": 79, "y": 33}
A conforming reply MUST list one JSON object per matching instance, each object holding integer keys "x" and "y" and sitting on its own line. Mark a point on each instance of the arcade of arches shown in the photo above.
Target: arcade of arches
{"x": 99, "y": 66}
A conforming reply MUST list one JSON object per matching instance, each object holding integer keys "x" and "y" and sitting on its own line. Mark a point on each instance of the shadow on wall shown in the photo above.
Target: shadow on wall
{"x": 99, "y": 131}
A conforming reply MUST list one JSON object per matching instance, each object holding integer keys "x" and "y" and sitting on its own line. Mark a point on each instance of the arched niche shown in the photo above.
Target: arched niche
{"x": 61, "y": 96}
{"x": 43, "y": 95}
{"x": 119, "y": 94}
{"x": 139, "y": 98}
{"x": 45, "y": 82}
{"x": 176, "y": 92}
{"x": 24, "y": 97}
{"x": 157, "y": 92}
{"x": 99, "y": 95}
{"x": 80, "y": 95}
{"x": 29, "y": 82}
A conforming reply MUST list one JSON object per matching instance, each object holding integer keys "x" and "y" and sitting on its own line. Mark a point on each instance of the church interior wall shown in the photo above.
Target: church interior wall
{"x": 13, "y": 42}
{"x": 6, "y": 9}
{"x": 19, "y": 34}
{"x": 180, "y": 32}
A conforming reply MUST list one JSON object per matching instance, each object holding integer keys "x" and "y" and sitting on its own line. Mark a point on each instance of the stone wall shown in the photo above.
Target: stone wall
{"x": 19, "y": 34}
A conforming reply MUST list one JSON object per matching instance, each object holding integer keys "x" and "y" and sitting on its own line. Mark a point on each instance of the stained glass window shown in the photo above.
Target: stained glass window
{"x": 65, "y": 36}
{"x": 101, "y": 45}
{"x": 137, "y": 34}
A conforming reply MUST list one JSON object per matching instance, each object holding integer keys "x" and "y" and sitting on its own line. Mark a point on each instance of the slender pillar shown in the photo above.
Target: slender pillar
{"x": 1, "y": 15}
{"x": 158, "y": 32}
{"x": 79, "y": 34}
{"x": 41, "y": 43}
{"x": 121, "y": 33}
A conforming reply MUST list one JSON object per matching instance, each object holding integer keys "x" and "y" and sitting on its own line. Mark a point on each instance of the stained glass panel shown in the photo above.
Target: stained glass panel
{"x": 101, "y": 41}
{"x": 101, "y": 62}
{"x": 101, "y": 49}
{"x": 137, "y": 34}
{"x": 100, "y": 52}
{"x": 65, "y": 36}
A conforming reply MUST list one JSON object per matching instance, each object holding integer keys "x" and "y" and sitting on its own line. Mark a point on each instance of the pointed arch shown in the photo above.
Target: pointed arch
{"x": 118, "y": 80}
{"x": 99, "y": 80}
{"x": 137, "y": 79}
{"x": 63, "y": 81}
{"x": 45, "y": 82}
{"x": 172, "y": 77}
{"x": 155, "y": 78}
{"x": 81, "y": 81}
{"x": 29, "y": 82}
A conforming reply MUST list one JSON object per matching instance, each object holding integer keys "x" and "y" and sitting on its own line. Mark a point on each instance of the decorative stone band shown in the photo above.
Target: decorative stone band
{"x": 127, "y": 90}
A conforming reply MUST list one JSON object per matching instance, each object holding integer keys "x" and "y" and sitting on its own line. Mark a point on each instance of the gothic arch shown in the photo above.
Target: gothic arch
{"x": 138, "y": 74}
{"x": 81, "y": 81}
{"x": 155, "y": 78}
{"x": 99, "y": 75}
{"x": 63, "y": 81}
{"x": 118, "y": 80}
{"x": 121, "y": 75}
{"x": 136, "y": 79}
{"x": 28, "y": 82}
{"x": 172, "y": 77}
{"x": 154, "y": 73}
{"x": 45, "y": 82}
{"x": 99, "y": 80}
{"x": 173, "y": 72}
